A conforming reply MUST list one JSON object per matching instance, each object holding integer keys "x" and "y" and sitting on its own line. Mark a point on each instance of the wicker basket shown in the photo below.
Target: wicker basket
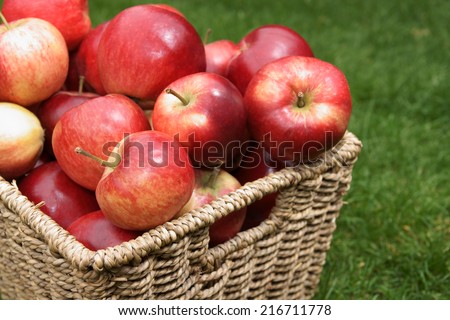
{"x": 282, "y": 258}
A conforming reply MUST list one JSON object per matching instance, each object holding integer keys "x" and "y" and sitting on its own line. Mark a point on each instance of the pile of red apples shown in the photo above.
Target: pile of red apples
{"x": 119, "y": 128}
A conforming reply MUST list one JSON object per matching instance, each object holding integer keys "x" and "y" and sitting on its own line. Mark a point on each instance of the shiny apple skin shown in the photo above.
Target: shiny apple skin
{"x": 21, "y": 140}
{"x": 261, "y": 46}
{"x": 96, "y": 125}
{"x": 64, "y": 200}
{"x": 152, "y": 182}
{"x": 86, "y": 59}
{"x": 289, "y": 132}
{"x": 164, "y": 47}
{"x": 52, "y": 109}
{"x": 96, "y": 232}
{"x": 218, "y": 55}
{"x": 70, "y": 17}
{"x": 215, "y": 117}
{"x": 34, "y": 61}
{"x": 208, "y": 189}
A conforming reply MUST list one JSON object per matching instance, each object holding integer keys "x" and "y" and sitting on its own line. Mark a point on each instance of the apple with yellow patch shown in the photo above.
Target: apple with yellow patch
{"x": 21, "y": 140}
{"x": 34, "y": 61}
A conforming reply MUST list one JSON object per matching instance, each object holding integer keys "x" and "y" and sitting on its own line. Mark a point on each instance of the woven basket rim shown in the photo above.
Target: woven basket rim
{"x": 62, "y": 243}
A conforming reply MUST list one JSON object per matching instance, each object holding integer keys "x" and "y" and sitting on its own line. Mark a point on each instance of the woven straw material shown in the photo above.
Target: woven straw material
{"x": 282, "y": 258}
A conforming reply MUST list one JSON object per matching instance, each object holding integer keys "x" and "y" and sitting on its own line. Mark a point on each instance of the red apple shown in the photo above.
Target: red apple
{"x": 262, "y": 45}
{"x": 210, "y": 185}
{"x": 97, "y": 125}
{"x": 96, "y": 232}
{"x": 257, "y": 164}
{"x": 86, "y": 59}
{"x": 72, "y": 82}
{"x": 144, "y": 48}
{"x": 218, "y": 55}
{"x": 147, "y": 180}
{"x": 52, "y": 109}
{"x": 21, "y": 140}
{"x": 34, "y": 61}
{"x": 298, "y": 107}
{"x": 70, "y": 17}
{"x": 168, "y": 7}
{"x": 206, "y": 113}
{"x": 64, "y": 200}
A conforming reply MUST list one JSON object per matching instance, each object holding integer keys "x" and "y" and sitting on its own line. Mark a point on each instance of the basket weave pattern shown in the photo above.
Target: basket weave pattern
{"x": 280, "y": 259}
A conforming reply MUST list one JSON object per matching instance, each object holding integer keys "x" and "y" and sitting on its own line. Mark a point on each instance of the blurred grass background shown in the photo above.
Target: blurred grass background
{"x": 393, "y": 235}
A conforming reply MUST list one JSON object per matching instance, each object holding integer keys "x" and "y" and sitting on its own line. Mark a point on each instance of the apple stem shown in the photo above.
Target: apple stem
{"x": 207, "y": 34}
{"x": 81, "y": 85}
{"x": 301, "y": 100}
{"x": 2, "y": 17}
{"x": 176, "y": 94}
{"x": 213, "y": 176}
{"x": 104, "y": 163}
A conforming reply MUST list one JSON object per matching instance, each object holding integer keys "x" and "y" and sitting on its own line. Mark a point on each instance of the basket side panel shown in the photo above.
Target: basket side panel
{"x": 295, "y": 205}
{"x": 335, "y": 184}
{"x": 22, "y": 273}
{"x": 173, "y": 275}
{"x": 286, "y": 263}
{"x": 263, "y": 270}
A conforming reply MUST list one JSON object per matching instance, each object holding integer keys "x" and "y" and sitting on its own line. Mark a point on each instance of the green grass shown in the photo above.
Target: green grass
{"x": 393, "y": 235}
